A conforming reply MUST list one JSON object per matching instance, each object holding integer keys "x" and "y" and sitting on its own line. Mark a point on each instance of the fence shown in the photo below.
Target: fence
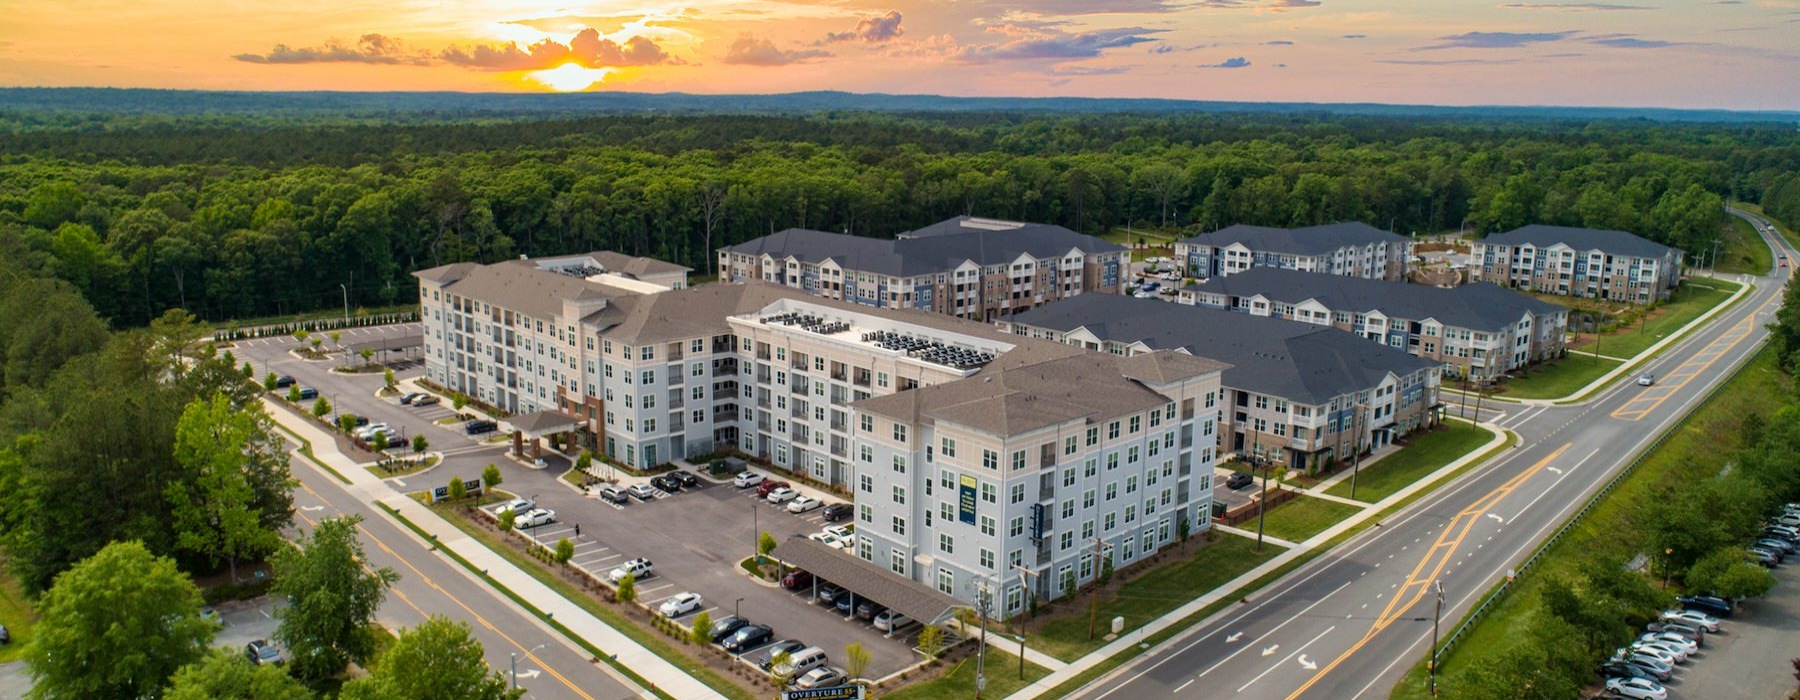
{"x": 1248, "y": 511}
{"x": 312, "y": 326}
{"x": 1500, "y": 591}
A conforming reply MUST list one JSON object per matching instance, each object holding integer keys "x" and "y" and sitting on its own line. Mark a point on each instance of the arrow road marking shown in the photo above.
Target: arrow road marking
{"x": 1278, "y": 664}
{"x": 1497, "y": 518}
{"x": 1308, "y": 665}
{"x": 1235, "y": 637}
{"x": 1554, "y": 469}
{"x": 311, "y": 509}
{"x": 533, "y": 673}
{"x": 1271, "y": 649}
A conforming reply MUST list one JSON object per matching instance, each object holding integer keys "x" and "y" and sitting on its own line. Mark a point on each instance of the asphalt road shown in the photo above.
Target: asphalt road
{"x": 1350, "y": 623}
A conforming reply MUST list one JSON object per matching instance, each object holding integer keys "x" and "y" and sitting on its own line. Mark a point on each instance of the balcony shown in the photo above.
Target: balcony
{"x": 677, "y": 402}
{"x": 762, "y": 400}
{"x": 676, "y": 378}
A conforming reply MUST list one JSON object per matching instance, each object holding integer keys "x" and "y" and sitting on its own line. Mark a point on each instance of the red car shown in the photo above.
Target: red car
{"x": 763, "y": 489}
{"x": 797, "y": 579}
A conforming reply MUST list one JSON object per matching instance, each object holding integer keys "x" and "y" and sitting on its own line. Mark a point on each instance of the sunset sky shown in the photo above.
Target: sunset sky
{"x": 1734, "y": 54}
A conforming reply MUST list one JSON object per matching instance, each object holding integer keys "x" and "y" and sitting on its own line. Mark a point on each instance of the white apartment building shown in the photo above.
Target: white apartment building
{"x": 1611, "y": 265}
{"x": 1350, "y": 249}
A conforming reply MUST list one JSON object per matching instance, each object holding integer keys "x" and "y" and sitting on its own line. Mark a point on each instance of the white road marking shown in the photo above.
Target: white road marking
{"x": 1278, "y": 664}
{"x": 1233, "y": 638}
{"x": 1270, "y": 651}
{"x": 1308, "y": 665}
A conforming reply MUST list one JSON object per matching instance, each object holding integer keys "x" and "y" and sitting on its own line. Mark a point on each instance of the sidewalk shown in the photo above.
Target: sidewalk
{"x": 663, "y": 675}
{"x": 1131, "y": 639}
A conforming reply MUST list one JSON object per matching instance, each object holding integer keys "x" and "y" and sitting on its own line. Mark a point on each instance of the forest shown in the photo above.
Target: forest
{"x": 234, "y": 216}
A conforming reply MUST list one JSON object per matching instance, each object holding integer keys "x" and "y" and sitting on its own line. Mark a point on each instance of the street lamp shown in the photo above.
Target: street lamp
{"x": 1256, "y": 465}
{"x": 1025, "y": 587}
{"x": 346, "y": 289}
{"x": 734, "y": 608}
{"x": 1436, "y": 617}
{"x": 515, "y": 663}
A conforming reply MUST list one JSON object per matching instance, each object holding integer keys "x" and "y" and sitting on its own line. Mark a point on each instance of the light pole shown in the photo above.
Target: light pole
{"x": 1356, "y": 440}
{"x": 734, "y": 608}
{"x": 1025, "y": 587}
{"x": 984, "y": 600}
{"x": 1436, "y": 617}
{"x": 1262, "y": 500}
{"x": 515, "y": 663}
{"x": 1100, "y": 549}
{"x": 346, "y": 289}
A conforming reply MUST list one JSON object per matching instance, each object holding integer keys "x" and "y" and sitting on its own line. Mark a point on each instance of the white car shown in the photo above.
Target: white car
{"x": 1693, "y": 617}
{"x": 889, "y": 621}
{"x": 803, "y": 504}
{"x": 680, "y": 604}
{"x": 1640, "y": 688}
{"x": 1660, "y": 653}
{"x": 636, "y": 568}
{"x": 1687, "y": 646}
{"x": 747, "y": 479}
{"x": 1646, "y": 379}
{"x": 534, "y": 517}
{"x": 828, "y": 539}
{"x": 843, "y": 532}
{"x": 368, "y": 431}
{"x": 783, "y": 495}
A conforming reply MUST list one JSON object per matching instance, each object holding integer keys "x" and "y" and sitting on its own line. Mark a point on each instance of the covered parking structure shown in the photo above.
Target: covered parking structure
{"x": 382, "y": 349}
{"x": 536, "y": 426}
{"x": 865, "y": 581}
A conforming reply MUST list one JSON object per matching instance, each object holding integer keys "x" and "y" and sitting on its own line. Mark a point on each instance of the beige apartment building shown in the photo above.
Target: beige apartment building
{"x": 1581, "y": 262}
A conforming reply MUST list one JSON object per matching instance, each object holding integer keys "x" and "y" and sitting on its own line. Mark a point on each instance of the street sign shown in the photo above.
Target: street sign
{"x": 836, "y": 692}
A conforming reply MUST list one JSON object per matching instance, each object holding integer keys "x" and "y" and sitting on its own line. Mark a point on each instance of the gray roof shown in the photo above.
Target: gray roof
{"x": 541, "y": 423}
{"x": 1310, "y": 240}
{"x": 928, "y": 250}
{"x": 702, "y": 311}
{"x": 388, "y": 344}
{"x": 1481, "y": 307}
{"x": 1301, "y": 362}
{"x": 866, "y": 580}
{"x": 636, "y": 266}
{"x": 525, "y": 287}
{"x": 1019, "y": 392}
{"x": 1581, "y": 239}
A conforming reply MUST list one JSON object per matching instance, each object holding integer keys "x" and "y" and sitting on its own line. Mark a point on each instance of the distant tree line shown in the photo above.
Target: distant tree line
{"x": 257, "y": 219}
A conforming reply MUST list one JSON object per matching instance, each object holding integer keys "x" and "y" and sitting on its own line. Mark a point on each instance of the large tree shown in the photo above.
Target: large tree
{"x": 438, "y": 659}
{"x": 225, "y": 452}
{"x": 332, "y": 596}
{"x": 224, "y": 675}
{"x": 116, "y": 625}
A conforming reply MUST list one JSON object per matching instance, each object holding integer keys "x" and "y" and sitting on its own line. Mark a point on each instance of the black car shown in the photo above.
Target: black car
{"x": 408, "y": 399}
{"x": 748, "y": 637}
{"x": 283, "y": 381}
{"x": 768, "y": 655}
{"x": 5, "y": 635}
{"x": 686, "y": 478}
{"x": 1711, "y": 605}
{"x": 480, "y": 427}
{"x": 1626, "y": 669}
{"x": 307, "y": 392}
{"x": 262, "y": 652}
{"x": 1239, "y": 480}
{"x": 726, "y": 627}
{"x": 837, "y": 511}
{"x": 868, "y": 609}
{"x": 843, "y": 604}
{"x": 360, "y": 421}
{"x": 666, "y": 483}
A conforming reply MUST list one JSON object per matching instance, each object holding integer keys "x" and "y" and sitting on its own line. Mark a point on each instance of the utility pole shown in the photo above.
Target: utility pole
{"x": 1356, "y": 456}
{"x": 1094, "y": 600}
{"x": 984, "y": 600}
{"x": 1436, "y": 618}
{"x": 346, "y": 289}
{"x": 1025, "y": 587}
{"x": 1262, "y": 501}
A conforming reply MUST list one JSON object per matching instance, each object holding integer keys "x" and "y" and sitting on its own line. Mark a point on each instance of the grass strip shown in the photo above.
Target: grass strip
{"x": 1560, "y": 378}
{"x": 1002, "y": 673}
{"x": 1305, "y": 516}
{"x": 1423, "y": 454}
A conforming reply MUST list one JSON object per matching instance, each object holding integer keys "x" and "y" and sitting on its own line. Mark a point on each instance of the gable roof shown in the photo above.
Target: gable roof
{"x": 1482, "y": 307}
{"x": 935, "y": 248}
{"x": 1301, "y": 362}
{"x": 519, "y": 285}
{"x": 1581, "y": 239}
{"x": 867, "y": 580}
{"x": 1310, "y": 240}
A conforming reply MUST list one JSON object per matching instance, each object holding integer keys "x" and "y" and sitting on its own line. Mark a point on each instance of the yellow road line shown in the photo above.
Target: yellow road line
{"x": 1441, "y": 552}
{"x": 528, "y": 654}
{"x": 1653, "y": 398}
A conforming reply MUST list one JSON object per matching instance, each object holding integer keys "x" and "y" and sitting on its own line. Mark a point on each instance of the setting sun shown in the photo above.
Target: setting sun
{"x": 570, "y": 77}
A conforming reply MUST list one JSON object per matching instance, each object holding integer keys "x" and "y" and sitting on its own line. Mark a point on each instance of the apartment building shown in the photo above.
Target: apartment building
{"x": 1350, "y": 249}
{"x": 1300, "y": 394}
{"x": 1051, "y": 460}
{"x": 968, "y": 267}
{"x": 1480, "y": 331}
{"x": 1582, "y": 262}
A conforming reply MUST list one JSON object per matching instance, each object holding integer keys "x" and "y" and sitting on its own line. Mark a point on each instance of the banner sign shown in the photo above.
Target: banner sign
{"x": 442, "y": 493}
{"x": 965, "y": 502}
{"x": 836, "y": 692}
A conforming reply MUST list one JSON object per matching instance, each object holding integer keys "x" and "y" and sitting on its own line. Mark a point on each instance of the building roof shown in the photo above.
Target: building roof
{"x": 528, "y": 287}
{"x": 1018, "y": 394}
{"x": 866, "y": 580}
{"x": 1481, "y": 307}
{"x": 1298, "y": 361}
{"x": 636, "y": 266}
{"x": 928, "y": 250}
{"x": 1310, "y": 240}
{"x": 1581, "y": 239}
{"x": 541, "y": 423}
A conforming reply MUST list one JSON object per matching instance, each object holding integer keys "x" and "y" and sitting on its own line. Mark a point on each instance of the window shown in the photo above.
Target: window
{"x": 987, "y": 559}
{"x": 1016, "y": 494}
{"x": 650, "y": 401}
{"x": 900, "y": 465}
{"x": 865, "y": 548}
{"x": 1018, "y": 459}
{"x": 990, "y": 459}
{"x": 865, "y": 514}
{"x": 1087, "y": 498}
{"x": 697, "y": 369}
{"x": 946, "y": 543}
{"x": 1069, "y": 445}
{"x": 649, "y": 375}
{"x": 1112, "y": 430}
{"x": 1137, "y": 423}
{"x": 1093, "y": 437}
{"x": 949, "y": 447}
{"x": 868, "y": 483}
{"x": 866, "y": 453}
{"x": 1015, "y": 527}
{"x": 946, "y": 582}
{"x": 1112, "y": 461}
{"x": 899, "y": 526}
{"x": 1131, "y": 484}
{"x": 947, "y": 512}
{"x": 946, "y": 479}
{"x": 1090, "y": 468}
{"x": 989, "y": 494}
{"x": 649, "y": 425}
{"x": 867, "y": 424}
{"x": 899, "y": 433}
{"x": 900, "y": 495}
{"x": 987, "y": 525}
{"x": 897, "y": 562}
{"x": 1087, "y": 530}
{"x": 1066, "y": 540}
{"x": 1068, "y": 508}
{"x": 1112, "y": 491}
{"x": 1111, "y": 521}
{"x": 1069, "y": 477}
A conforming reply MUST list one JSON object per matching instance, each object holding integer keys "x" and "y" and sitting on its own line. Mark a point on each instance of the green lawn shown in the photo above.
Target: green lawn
{"x": 1302, "y": 517}
{"x": 17, "y": 615}
{"x": 1560, "y": 378}
{"x": 1002, "y": 671}
{"x": 1425, "y": 452}
{"x": 1743, "y": 251}
{"x": 1693, "y": 298}
{"x": 1690, "y": 452}
{"x": 1207, "y": 566}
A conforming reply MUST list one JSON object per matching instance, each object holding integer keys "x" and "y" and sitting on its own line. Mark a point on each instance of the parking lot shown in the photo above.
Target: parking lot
{"x": 1749, "y": 658}
{"x": 695, "y": 537}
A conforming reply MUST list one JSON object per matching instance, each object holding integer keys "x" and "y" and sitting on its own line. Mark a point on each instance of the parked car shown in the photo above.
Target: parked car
{"x": 685, "y": 477}
{"x": 612, "y": 495}
{"x": 480, "y": 427}
{"x": 844, "y": 605}
{"x": 782, "y": 495}
{"x": 536, "y": 517}
{"x": 1783, "y": 546}
{"x": 358, "y": 421}
{"x": 803, "y": 504}
{"x": 1646, "y": 379}
{"x": 1765, "y": 558}
{"x": 1711, "y": 605}
{"x": 822, "y": 677}
{"x": 308, "y": 393}
{"x": 802, "y": 661}
{"x": 1788, "y": 519}
{"x": 844, "y": 532}
{"x": 1638, "y": 688}
{"x": 1239, "y": 480}
{"x": 666, "y": 483}
{"x": 1680, "y": 641}
{"x": 1663, "y": 654}
{"x": 637, "y": 568}
{"x": 680, "y": 604}
{"x": 425, "y": 400}
{"x": 747, "y": 479}
{"x": 889, "y": 621}
{"x": 797, "y": 579}
{"x": 5, "y": 635}
{"x": 1621, "y": 669}
{"x": 837, "y": 511}
{"x": 768, "y": 655}
{"x": 828, "y": 539}
{"x": 642, "y": 492}
{"x": 262, "y": 652}
{"x": 868, "y": 609}
{"x": 407, "y": 399}
{"x": 747, "y": 637}
{"x": 518, "y": 506}
{"x": 1694, "y": 617}
{"x": 1646, "y": 660}
{"x": 726, "y": 626}
{"x": 1680, "y": 628}
{"x": 283, "y": 381}
{"x": 368, "y": 431}
{"x": 828, "y": 593}
{"x": 764, "y": 488}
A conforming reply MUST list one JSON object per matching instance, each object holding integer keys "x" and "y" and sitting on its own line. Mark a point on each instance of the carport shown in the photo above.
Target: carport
{"x": 862, "y": 580}
{"x": 536, "y": 426}
{"x": 405, "y": 344}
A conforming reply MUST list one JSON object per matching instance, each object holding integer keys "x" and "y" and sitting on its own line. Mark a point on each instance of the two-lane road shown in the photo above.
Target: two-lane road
{"x": 1350, "y": 623}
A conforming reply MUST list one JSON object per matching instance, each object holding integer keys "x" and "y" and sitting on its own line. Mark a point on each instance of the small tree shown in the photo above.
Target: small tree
{"x": 1182, "y": 529}
{"x": 701, "y": 631}
{"x": 321, "y": 408}
{"x": 420, "y": 444}
{"x": 387, "y": 376}
{"x": 366, "y": 354}
{"x": 584, "y": 462}
{"x": 347, "y": 423}
{"x": 565, "y": 550}
{"x": 300, "y": 335}
{"x": 627, "y": 591}
{"x": 1068, "y": 584}
{"x": 270, "y": 381}
{"x": 491, "y": 477}
{"x": 1106, "y": 569}
{"x": 293, "y": 393}
{"x": 457, "y": 490}
{"x": 779, "y": 671}
{"x": 379, "y": 440}
{"x": 459, "y": 400}
{"x": 337, "y": 339}
{"x": 248, "y": 370}
{"x": 505, "y": 518}
{"x": 931, "y": 641}
{"x": 316, "y": 342}
{"x": 765, "y": 543}
{"x": 856, "y": 660}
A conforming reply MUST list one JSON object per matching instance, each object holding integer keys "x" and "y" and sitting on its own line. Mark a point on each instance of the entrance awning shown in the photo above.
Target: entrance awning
{"x": 904, "y": 595}
{"x": 539, "y": 424}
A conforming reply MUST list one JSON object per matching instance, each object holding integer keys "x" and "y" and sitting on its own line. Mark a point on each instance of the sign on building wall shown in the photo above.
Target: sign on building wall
{"x": 965, "y": 501}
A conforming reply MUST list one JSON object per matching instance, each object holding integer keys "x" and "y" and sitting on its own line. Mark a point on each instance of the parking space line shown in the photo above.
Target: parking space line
{"x": 653, "y": 589}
